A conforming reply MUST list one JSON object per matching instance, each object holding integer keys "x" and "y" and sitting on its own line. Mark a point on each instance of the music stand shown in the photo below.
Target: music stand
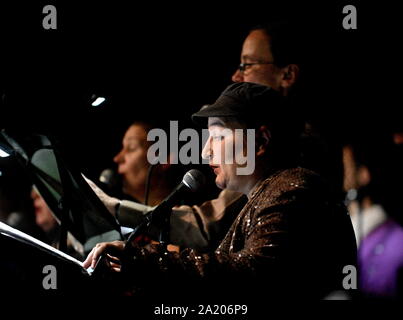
{"x": 74, "y": 204}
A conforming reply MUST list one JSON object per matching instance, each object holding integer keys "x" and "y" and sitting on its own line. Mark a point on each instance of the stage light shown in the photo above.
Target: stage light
{"x": 3, "y": 154}
{"x": 98, "y": 101}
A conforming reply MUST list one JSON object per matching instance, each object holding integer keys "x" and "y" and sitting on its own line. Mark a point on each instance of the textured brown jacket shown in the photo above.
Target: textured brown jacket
{"x": 290, "y": 240}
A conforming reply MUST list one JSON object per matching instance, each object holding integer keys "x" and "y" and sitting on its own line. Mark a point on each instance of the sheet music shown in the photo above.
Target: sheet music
{"x": 10, "y": 231}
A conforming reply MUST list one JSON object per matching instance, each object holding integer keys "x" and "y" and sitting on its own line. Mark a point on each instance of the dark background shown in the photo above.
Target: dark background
{"x": 167, "y": 60}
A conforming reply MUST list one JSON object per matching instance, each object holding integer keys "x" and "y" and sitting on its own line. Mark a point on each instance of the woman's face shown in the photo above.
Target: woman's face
{"x": 132, "y": 160}
{"x": 221, "y": 150}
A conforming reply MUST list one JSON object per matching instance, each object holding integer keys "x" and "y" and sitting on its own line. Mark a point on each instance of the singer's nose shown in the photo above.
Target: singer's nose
{"x": 207, "y": 152}
{"x": 119, "y": 157}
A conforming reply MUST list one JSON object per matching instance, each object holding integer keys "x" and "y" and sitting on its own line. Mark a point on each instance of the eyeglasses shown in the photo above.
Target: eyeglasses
{"x": 243, "y": 66}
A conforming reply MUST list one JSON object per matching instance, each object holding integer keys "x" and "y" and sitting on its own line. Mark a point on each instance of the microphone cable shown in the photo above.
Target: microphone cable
{"x": 148, "y": 182}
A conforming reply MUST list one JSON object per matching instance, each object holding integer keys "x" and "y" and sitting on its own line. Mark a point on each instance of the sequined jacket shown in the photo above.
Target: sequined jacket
{"x": 290, "y": 239}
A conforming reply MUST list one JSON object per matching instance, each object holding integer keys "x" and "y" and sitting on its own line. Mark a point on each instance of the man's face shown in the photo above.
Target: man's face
{"x": 256, "y": 48}
{"x": 132, "y": 160}
{"x": 220, "y": 149}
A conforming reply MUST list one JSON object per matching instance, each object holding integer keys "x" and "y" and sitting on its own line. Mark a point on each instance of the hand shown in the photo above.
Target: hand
{"x": 109, "y": 202}
{"x": 104, "y": 247}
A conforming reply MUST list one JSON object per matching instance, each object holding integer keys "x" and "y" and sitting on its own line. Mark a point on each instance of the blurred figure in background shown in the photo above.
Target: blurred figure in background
{"x": 15, "y": 202}
{"x": 371, "y": 181}
{"x": 46, "y": 220}
{"x": 134, "y": 167}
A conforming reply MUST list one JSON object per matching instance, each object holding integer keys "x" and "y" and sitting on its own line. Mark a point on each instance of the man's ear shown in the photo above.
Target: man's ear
{"x": 263, "y": 137}
{"x": 290, "y": 75}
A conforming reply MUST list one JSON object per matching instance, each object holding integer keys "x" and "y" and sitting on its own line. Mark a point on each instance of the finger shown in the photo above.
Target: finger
{"x": 113, "y": 259}
{"x": 115, "y": 265}
{"x": 88, "y": 260}
{"x": 98, "y": 250}
{"x": 116, "y": 269}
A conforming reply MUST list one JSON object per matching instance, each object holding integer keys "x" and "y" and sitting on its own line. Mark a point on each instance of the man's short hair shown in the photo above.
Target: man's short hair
{"x": 254, "y": 105}
{"x": 285, "y": 41}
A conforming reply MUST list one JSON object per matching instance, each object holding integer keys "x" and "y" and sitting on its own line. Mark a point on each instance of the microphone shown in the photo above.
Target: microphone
{"x": 109, "y": 178}
{"x": 192, "y": 181}
{"x": 110, "y": 182}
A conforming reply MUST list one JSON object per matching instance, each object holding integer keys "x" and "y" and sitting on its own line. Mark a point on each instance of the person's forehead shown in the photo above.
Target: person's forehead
{"x": 215, "y": 122}
{"x": 135, "y": 133}
{"x": 224, "y": 123}
{"x": 256, "y": 46}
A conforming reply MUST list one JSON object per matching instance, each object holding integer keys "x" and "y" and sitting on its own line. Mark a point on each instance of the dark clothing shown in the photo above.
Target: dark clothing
{"x": 290, "y": 240}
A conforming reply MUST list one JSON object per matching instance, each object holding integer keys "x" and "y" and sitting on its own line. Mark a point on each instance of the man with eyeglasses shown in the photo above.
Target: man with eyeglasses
{"x": 270, "y": 56}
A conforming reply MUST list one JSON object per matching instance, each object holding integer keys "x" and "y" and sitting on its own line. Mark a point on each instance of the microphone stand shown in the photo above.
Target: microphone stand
{"x": 164, "y": 236}
{"x": 147, "y": 191}
{"x": 162, "y": 218}
{"x": 164, "y": 224}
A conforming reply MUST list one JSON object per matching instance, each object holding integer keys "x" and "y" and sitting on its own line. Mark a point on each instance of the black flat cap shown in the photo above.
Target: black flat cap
{"x": 241, "y": 100}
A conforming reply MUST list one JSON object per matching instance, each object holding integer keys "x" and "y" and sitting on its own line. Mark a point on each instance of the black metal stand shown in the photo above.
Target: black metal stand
{"x": 155, "y": 218}
{"x": 65, "y": 201}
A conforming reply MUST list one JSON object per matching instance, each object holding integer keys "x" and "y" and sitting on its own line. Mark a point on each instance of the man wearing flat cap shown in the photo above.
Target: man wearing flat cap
{"x": 289, "y": 241}
{"x": 271, "y": 56}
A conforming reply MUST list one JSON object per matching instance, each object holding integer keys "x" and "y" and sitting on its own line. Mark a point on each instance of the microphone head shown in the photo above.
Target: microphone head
{"x": 194, "y": 180}
{"x": 109, "y": 177}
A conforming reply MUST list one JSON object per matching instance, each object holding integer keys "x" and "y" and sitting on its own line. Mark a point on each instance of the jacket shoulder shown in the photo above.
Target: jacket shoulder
{"x": 290, "y": 179}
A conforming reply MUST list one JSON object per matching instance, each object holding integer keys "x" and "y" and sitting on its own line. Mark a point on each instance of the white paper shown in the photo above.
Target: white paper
{"x": 10, "y": 231}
